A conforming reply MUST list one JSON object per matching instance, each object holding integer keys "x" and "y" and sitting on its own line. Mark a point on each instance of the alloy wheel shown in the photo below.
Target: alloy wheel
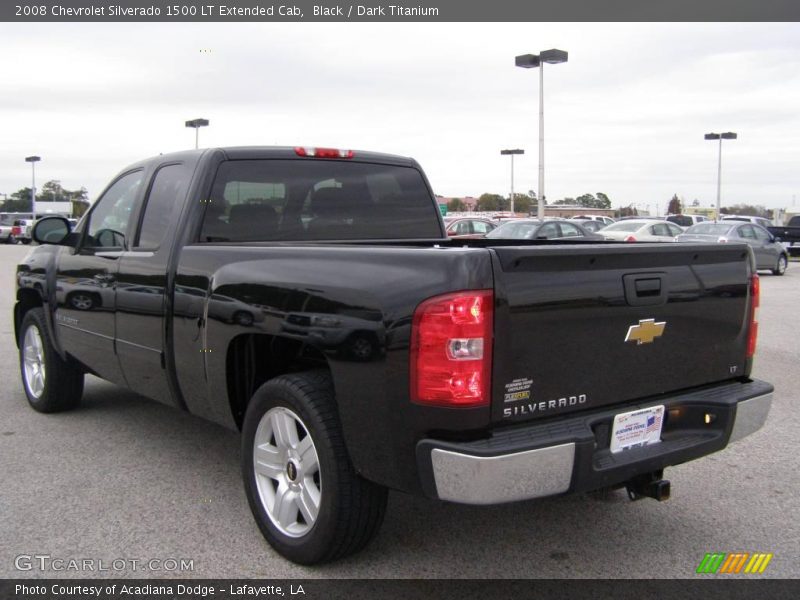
{"x": 287, "y": 472}
{"x": 33, "y": 362}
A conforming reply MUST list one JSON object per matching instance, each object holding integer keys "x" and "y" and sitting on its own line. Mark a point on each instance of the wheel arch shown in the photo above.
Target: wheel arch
{"x": 28, "y": 299}
{"x": 253, "y": 359}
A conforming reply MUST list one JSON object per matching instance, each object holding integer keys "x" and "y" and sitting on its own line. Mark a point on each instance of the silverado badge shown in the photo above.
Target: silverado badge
{"x": 645, "y": 332}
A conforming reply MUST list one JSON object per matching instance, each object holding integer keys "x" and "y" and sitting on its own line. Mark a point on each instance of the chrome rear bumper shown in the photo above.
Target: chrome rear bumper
{"x": 575, "y": 458}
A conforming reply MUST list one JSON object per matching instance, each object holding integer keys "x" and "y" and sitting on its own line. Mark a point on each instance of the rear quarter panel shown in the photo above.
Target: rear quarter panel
{"x": 323, "y": 296}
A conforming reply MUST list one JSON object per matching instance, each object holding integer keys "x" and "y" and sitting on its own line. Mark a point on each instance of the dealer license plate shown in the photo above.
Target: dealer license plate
{"x": 637, "y": 428}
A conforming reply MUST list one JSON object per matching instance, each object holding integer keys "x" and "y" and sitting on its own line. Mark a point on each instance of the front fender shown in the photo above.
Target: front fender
{"x": 35, "y": 283}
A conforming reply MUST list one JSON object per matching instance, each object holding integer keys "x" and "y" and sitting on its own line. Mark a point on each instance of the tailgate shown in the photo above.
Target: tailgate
{"x": 564, "y": 313}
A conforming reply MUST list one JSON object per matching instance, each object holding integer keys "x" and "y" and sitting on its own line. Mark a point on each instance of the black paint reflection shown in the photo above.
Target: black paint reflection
{"x": 348, "y": 337}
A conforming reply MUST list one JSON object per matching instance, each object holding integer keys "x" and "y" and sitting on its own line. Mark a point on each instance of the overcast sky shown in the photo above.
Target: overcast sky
{"x": 625, "y": 116}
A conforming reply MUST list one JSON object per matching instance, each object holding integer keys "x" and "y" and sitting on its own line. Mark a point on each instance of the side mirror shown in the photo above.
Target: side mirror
{"x": 51, "y": 230}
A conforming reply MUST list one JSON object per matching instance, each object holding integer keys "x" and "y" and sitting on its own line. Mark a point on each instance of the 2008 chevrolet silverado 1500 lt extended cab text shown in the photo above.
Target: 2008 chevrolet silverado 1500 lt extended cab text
{"x": 310, "y": 298}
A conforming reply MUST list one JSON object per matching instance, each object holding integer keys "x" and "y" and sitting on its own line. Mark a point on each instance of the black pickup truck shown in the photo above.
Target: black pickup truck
{"x": 310, "y": 298}
{"x": 789, "y": 233}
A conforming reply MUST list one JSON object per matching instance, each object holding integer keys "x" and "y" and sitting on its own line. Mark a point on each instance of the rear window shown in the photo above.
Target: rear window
{"x": 307, "y": 200}
{"x": 681, "y": 220}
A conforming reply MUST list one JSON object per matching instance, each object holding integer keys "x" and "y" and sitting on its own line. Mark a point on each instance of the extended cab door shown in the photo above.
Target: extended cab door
{"x": 143, "y": 284}
{"x": 86, "y": 279}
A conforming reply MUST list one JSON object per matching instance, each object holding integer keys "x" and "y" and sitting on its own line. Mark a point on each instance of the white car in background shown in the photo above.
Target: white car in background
{"x": 641, "y": 230}
{"x": 603, "y": 219}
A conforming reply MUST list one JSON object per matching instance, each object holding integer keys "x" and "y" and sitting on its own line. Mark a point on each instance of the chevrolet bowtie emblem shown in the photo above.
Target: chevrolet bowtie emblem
{"x": 645, "y": 332}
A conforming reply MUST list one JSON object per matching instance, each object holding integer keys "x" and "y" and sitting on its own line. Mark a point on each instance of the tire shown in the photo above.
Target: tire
{"x": 81, "y": 301}
{"x": 780, "y": 266}
{"x": 50, "y": 383}
{"x": 310, "y": 511}
{"x": 243, "y": 318}
{"x": 361, "y": 348}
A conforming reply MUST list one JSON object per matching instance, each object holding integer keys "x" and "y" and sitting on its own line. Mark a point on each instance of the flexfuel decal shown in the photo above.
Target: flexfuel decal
{"x": 717, "y": 563}
{"x": 519, "y": 389}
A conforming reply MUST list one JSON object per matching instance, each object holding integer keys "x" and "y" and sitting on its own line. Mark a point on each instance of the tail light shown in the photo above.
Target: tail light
{"x": 451, "y": 350}
{"x": 630, "y": 238}
{"x": 323, "y": 152}
{"x": 755, "y": 301}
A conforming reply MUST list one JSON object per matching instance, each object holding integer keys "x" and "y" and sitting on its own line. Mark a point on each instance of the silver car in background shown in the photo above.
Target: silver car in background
{"x": 748, "y": 219}
{"x": 770, "y": 254}
{"x": 550, "y": 229}
{"x": 592, "y": 225}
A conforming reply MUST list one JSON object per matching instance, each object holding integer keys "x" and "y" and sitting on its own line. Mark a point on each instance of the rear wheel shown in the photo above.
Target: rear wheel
{"x": 305, "y": 495}
{"x": 780, "y": 267}
{"x": 51, "y": 383}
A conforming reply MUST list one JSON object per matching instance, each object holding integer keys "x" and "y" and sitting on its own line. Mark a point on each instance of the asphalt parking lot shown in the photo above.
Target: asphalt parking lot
{"x": 124, "y": 478}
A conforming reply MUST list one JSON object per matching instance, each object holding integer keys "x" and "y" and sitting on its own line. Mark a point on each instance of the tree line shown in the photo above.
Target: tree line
{"x": 527, "y": 203}
{"x": 676, "y": 206}
{"x": 51, "y": 191}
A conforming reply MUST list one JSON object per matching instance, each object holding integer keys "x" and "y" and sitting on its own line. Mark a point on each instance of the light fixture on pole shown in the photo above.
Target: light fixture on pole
{"x": 720, "y": 136}
{"x": 33, "y": 160}
{"x": 512, "y": 153}
{"x": 197, "y": 124}
{"x": 530, "y": 61}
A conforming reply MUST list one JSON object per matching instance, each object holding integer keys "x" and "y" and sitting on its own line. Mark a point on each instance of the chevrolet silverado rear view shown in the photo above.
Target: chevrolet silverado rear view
{"x": 310, "y": 298}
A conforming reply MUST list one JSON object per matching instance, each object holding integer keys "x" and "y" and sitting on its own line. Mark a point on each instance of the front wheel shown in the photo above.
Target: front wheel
{"x": 51, "y": 383}
{"x": 304, "y": 493}
{"x": 780, "y": 267}
{"x": 243, "y": 318}
{"x": 81, "y": 301}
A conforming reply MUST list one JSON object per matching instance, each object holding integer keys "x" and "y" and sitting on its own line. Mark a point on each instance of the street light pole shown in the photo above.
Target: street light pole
{"x": 197, "y": 124}
{"x": 720, "y": 136}
{"x": 529, "y": 61}
{"x": 33, "y": 160}
{"x": 541, "y": 199}
{"x": 512, "y": 153}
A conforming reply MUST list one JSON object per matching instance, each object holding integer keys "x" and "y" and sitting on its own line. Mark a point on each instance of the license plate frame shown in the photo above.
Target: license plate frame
{"x": 637, "y": 428}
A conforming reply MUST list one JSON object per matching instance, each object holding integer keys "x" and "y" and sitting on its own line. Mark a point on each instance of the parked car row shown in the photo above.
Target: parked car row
{"x": 768, "y": 250}
{"x": 16, "y": 232}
